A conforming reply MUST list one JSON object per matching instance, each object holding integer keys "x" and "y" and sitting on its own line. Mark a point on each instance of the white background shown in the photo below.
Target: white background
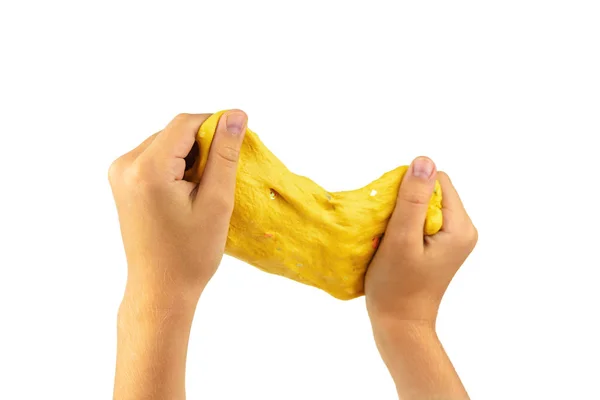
{"x": 504, "y": 96}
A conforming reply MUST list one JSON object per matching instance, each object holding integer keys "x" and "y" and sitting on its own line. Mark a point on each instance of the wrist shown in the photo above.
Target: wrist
{"x": 391, "y": 330}
{"x": 164, "y": 293}
{"x": 398, "y": 313}
{"x": 143, "y": 302}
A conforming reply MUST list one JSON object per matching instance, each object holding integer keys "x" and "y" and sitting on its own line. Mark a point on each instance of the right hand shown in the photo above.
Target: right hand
{"x": 410, "y": 272}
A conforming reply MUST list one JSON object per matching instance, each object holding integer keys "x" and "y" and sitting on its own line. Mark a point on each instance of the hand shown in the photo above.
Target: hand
{"x": 174, "y": 231}
{"x": 409, "y": 274}
{"x": 407, "y": 279}
{"x": 174, "y": 234}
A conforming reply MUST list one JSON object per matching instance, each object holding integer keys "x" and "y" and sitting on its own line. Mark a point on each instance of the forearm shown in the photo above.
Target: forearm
{"x": 417, "y": 362}
{"x": 152, "y": 341}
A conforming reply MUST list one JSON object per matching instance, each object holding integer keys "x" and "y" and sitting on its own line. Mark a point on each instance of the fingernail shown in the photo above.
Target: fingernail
{"x": 235, "y": 123}
{"x": 422, "y": 167}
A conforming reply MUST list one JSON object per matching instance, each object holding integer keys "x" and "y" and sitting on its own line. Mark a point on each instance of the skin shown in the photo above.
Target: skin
{"x": 407, "y": 279}
{"x": 174, "y": 234}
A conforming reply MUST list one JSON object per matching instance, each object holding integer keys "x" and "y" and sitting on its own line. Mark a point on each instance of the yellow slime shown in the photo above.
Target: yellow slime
{"x": 288, "y": 225}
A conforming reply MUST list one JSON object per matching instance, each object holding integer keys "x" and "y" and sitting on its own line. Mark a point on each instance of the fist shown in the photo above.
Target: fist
{"x": 410, "y": 272}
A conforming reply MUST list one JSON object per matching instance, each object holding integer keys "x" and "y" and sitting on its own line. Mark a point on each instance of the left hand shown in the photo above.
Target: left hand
{"x": 174, "y": 231}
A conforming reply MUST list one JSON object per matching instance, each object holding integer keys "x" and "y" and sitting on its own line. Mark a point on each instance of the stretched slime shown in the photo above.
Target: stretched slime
{"x": 288, "y": 225}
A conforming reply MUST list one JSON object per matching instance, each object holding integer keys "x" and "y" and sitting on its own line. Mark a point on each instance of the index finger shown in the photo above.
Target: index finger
{"x": 178, "y": 137}
{"x": 168, "y": 151}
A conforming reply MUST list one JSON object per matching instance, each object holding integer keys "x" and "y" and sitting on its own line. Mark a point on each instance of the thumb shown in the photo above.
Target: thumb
{"x": 412, "y": 203}
{"x": 221, "y": 167}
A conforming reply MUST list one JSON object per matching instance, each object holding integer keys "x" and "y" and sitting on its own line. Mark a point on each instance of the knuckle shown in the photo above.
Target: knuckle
{"x": 115, "y": 170}
{"x": 474, "y": 235}
{"x": 133, "y": 176}
{"x": 182, "y": 117}
{"x": 470, "y": 236}
{"x": 135, "y": 173}
{"x": 228, "y": 154}
{"x": 138, "y": 174}
{"x": 220, "y": 204}
{"x": 417, "y": 197}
